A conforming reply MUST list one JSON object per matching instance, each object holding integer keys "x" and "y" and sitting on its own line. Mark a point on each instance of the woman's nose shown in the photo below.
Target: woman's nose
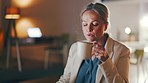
{"x": 89, "y": 29}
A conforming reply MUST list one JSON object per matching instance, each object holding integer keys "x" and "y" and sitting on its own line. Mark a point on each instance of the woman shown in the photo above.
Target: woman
{"x": 110, "y": 58}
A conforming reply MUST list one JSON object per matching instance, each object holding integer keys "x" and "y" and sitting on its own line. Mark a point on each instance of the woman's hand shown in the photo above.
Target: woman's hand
{"x": 99, "y": 51}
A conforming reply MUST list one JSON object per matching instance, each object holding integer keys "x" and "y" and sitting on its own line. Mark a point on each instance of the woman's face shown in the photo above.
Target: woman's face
{"x": 92, "y": 25}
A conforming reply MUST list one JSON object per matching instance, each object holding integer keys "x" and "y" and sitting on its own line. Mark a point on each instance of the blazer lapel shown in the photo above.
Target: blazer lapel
{"x": 98, "y": 75}
{"x": 109, "y": 48}
{"x": 75, "y": 69}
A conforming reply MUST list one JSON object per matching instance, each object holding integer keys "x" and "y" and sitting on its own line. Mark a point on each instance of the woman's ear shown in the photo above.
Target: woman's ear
{"x": 106, "y": 25}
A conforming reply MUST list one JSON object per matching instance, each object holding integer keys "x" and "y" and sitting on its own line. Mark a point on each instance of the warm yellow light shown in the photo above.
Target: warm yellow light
{"x": 22, "y": 26}
{"x": 23, "y": 3}
{"x": 12, "y": 13}
{"x": 12, "y": 16}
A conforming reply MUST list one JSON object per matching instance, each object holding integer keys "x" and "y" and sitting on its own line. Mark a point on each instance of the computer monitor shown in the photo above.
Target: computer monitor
{"x": 34, "y": 32}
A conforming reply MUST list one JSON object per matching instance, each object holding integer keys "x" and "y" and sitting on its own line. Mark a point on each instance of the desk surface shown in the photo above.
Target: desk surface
{"x": 32, "y": 41}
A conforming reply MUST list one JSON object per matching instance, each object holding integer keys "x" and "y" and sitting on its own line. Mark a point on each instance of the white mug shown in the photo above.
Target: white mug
{"x": 84, "y": 49}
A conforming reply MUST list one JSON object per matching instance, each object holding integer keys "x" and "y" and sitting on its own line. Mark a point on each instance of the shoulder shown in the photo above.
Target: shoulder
{"x": 119, "y": 45}
{"x": 73, "y": 46}
{"x": 73, "y": 49}
{"x": 119, "y": 48}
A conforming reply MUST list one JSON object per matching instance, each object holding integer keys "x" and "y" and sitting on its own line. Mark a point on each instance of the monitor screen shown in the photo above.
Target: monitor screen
{"x": 34, "y": 32}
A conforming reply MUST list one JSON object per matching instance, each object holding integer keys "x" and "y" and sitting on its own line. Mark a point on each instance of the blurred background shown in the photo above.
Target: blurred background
{"x": 35, "y": 36}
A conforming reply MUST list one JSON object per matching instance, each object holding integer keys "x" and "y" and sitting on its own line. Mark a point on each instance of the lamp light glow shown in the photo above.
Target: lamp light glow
{"x": 23, "y": 3}
{"x": 127, "y": 30}
{"x": 12, "y": 16}
{"x": 12, "y": 13}
{"x": 22, "y": 26}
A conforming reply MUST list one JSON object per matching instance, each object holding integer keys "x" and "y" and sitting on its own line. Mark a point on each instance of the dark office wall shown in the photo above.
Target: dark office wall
{"x": 0, "y": 13}
{"x": 56, "y": 17}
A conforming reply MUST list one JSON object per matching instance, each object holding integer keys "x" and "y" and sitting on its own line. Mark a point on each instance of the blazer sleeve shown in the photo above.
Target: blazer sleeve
{"x": 117, "y": 73}
{"x": 65, "y": 78}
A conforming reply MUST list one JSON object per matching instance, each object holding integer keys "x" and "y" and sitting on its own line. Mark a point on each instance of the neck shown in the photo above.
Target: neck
{"x": 103, "y": 39}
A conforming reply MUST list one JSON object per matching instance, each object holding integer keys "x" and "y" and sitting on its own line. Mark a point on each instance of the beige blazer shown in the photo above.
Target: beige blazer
{"x": 114, "y": 70}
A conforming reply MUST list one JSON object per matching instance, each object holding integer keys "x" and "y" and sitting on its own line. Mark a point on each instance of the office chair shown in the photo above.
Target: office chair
{"x": 58, "y": 49}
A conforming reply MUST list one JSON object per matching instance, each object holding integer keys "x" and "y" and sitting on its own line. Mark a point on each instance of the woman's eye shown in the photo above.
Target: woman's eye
{"x": 95, "y": 24}
{"x": 84, "y": 24}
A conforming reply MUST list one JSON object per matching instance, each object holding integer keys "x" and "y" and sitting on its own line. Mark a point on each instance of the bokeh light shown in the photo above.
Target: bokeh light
{"x": 144, "y": 21}
{"x": 23, "y": 3}
{"x": 127, "y": 30}
{"x": 22, "y": 25}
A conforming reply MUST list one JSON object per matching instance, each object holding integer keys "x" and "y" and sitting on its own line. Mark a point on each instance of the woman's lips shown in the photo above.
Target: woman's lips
{"x": 90, "y": 35}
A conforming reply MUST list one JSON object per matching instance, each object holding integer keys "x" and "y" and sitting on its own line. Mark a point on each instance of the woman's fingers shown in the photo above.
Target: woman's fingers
{"x": 98, "y": 50}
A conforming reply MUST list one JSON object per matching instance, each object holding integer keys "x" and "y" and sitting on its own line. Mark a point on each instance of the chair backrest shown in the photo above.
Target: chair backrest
{"x": 139, "y": 53}
{"x": 60, "y": 41}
